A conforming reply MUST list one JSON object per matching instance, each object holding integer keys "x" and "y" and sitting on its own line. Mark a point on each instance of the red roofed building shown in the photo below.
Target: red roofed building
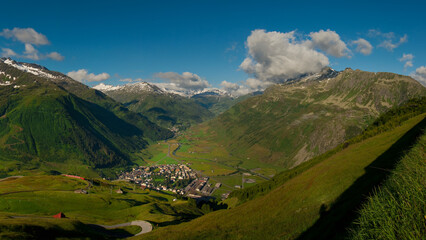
{"x": 59, "y": 215}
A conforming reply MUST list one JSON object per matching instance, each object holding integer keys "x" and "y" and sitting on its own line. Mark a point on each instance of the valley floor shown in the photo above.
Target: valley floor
{"x": 319, "y": 203}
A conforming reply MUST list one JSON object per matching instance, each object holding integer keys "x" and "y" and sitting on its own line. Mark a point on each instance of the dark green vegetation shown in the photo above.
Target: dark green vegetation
{"x": 291, "y": 123}
{"x": 319, "y": 202}
{"x": 63, "y": 125}
{"x": 27, "y": 205}
{"x": 397, "y": 209}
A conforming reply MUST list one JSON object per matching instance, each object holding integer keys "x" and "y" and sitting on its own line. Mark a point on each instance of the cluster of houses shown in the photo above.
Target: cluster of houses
{"x": 160, "y": 177}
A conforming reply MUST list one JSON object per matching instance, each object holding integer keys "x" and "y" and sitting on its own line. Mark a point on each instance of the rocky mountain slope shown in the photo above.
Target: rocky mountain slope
{"x": 293, "y": 122}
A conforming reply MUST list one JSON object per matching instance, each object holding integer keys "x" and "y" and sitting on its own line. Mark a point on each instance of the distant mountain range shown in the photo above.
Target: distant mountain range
{"x": 47, "y": 117}
{"x": 159, "y": 88}
{"x": 169, "y": 108}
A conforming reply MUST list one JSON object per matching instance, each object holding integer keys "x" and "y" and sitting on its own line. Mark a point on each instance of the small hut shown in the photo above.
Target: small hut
{"x": 59, "y": 215}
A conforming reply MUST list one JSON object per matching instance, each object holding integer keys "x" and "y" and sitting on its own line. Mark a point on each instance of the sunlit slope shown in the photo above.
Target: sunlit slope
{"x": 291, "y": 123}
{"x": 42, "y": 122}
{"x": 333, "y": 187}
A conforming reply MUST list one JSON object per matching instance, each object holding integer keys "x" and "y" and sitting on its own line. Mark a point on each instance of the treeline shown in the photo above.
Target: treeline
{"x": 385, "y": 122}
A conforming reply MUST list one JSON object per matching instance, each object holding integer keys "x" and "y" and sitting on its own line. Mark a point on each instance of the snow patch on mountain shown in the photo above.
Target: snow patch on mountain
{"x": 159, "y": 88}
{"x": 30, "y": 68}
{"x": 105, "y": 87}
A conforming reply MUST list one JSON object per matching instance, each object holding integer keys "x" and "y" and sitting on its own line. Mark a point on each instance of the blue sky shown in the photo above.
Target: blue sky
{"x": 139, "y": 39}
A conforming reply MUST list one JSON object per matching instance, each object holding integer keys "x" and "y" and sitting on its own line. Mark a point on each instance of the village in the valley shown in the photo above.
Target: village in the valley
{"x": 175, "y": 178}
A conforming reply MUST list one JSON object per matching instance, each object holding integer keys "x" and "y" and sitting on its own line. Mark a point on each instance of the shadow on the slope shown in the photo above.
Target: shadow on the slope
{"x": 335, "y": 220}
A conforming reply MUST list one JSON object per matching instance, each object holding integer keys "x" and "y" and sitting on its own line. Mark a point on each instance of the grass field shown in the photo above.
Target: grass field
{"x": 48, "y": 195}
{"x": 318, "y": 203}
{"x": 397, "y": 209}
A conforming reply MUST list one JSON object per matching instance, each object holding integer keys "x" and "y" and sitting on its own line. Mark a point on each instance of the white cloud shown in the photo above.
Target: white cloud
{"x": 29, "y": 37}
{"x": 30, "y": 52}
{"x": 7, "y": 52}
{"x": 186, "y": 80}
{"x": 25, "y": 35}
{"x": 55, "y": 56}
{"x": 229, "y": 86}
{"x": 277, "y": 57}
{"x": 420, "y": 75}
{"x": 408, "y": 59}
{"x": 363, "y": 46}
{"x": 257, "y": 85}
{"x": 377, "y": 33}
{"x": 83, "y": 75}
{"x": 329, "y": 42}
{"x": 390, "y": 45}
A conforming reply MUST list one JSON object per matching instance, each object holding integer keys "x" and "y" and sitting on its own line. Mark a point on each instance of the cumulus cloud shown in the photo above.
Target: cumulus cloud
{"x": 83, "y": 75}
{"x": 329, "y": 42}
{"x": 257, "y": 85}
{"x": 29, "y": 37}
{"x": 408, "y": 59}
{"x": 420, "y": 75}
{"x": 55, "y": 56}
{"x": 7, "y": 52}
{"x": 30, "y": 52}
{"x": 186, "y": 80}
{"x": 229, "y": 86}
{"x": 276, "y": 57}
{"x": 25, "y": 35}
{"x": 363, "y": 46}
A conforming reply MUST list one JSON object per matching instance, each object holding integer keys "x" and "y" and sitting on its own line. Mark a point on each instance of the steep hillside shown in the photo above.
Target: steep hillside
{"x": 291, "y": 123}
{"x": 218, "y": 103}
{"x": 319, "y": 202}
{"x": 166, "y": 109}
{"x": 385, "y": 214}
{"x": 41, "y": 122}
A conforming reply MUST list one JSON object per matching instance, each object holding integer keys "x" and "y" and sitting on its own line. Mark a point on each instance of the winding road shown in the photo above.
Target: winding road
{"x": 145, "y": 226}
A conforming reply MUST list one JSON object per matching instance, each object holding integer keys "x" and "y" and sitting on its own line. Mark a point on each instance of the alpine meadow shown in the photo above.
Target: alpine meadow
{"x": 212, "y": 120}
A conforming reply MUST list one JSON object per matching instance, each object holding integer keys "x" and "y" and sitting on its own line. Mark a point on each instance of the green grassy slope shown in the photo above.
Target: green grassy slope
{"x": 27, "y": 205}
{"x": 41, "y": 122}
{"x": 291, "y": 123}
{"x": 387, "y": 121}
{"x": 216, "y": 103}
{"x": 320, "y": 199}
{"x": 167, "y": 110}
{"x": 397, "y": 209}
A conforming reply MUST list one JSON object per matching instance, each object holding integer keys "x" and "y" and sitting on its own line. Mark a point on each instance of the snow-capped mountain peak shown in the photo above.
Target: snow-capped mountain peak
{"x": 131, "y": 88}
{"x": 28, "y": 67}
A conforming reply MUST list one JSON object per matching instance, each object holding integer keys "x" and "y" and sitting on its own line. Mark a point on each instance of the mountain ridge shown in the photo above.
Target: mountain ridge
{"x": 294, "y": 121}
{"x": 56, "y": 120}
